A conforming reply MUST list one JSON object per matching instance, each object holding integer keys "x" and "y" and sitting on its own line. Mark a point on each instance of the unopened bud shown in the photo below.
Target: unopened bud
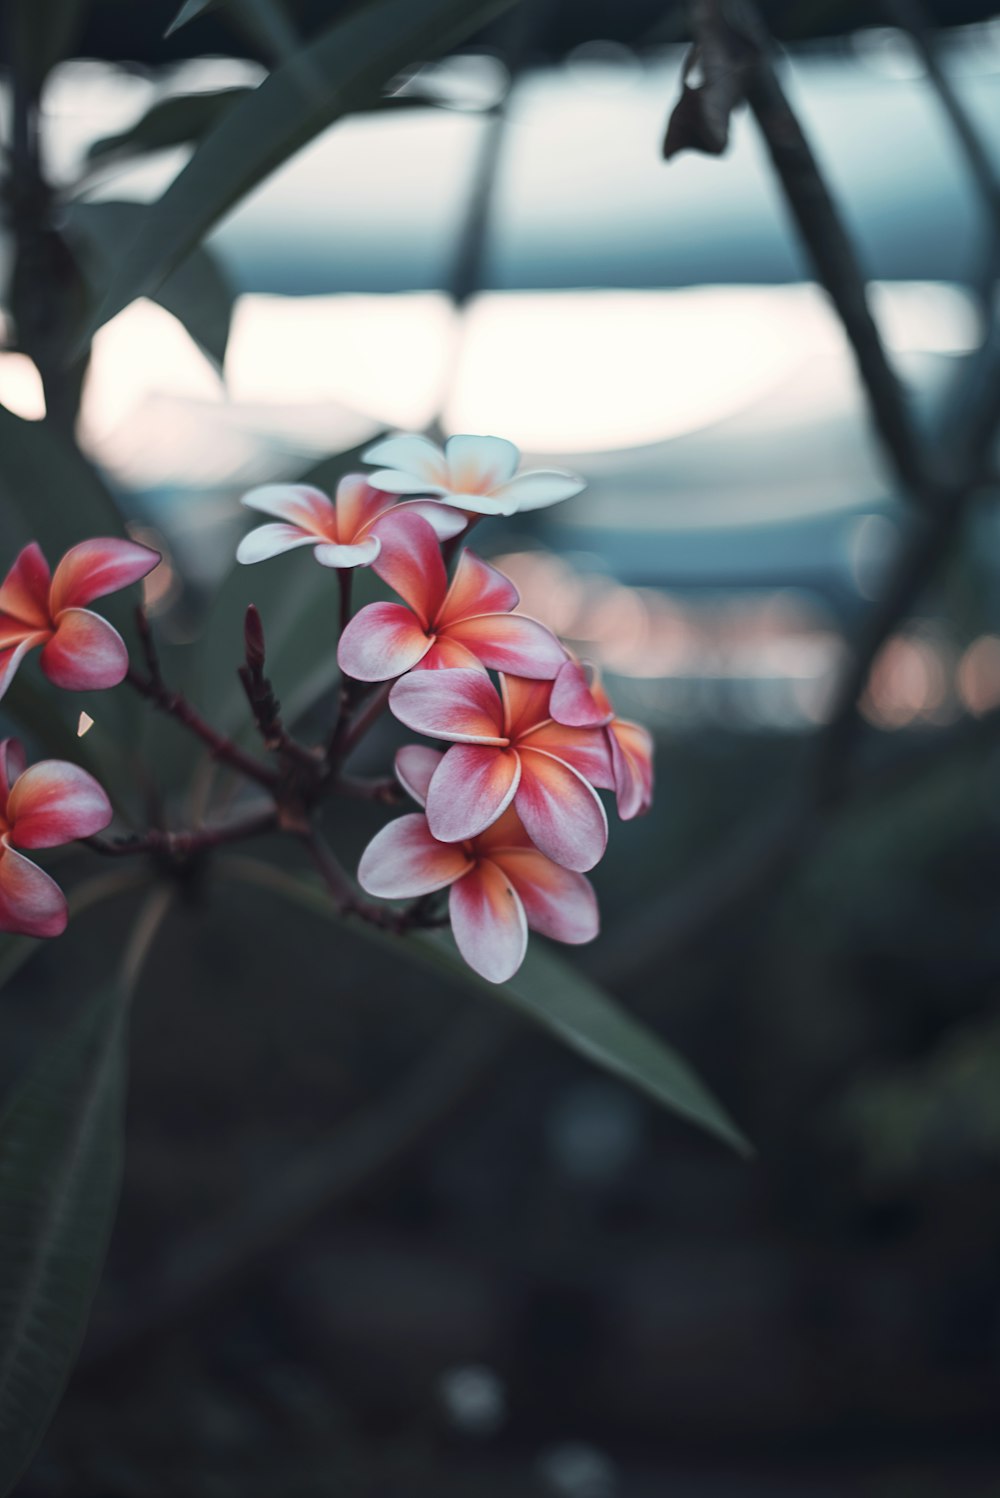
{"x": 253, "y": 639}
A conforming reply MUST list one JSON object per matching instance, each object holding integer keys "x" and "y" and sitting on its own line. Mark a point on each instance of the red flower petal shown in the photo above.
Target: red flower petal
{"x": 525, "y": 703}
{"x": 561, "y": 811}
{"x": 632, "y": 764}
{"x": 85, "y": 653}
{"x": 11, "y": 659}
{"x": 459, "y": 705}
{"x": 300, "y": 505}
{"x": 382, "y": 641}
{"x": 267, "y": 541}
{"x": 54, "y": 802}
{"x": 358, "y": 504}
{"x": 31, "y": 903}
{"x": 97, "y": 567}
{"x": 558, "y": 902}
{"x": 447, "y": 654}
{"x": 25, "y": 591}
{"x": 415, "y": 764}
{"x": 576, "y": 698}
{"x": 586, "y": 749}
{"x": 511, "y": 643}
{"x": 470, "y": 788}
{"x": 488, "y": 922}
{"x": 410, "y": 561}
{"x": 476, "y": 588}
{"x": 405, "y": 860}
{"x": 12, "y": 764}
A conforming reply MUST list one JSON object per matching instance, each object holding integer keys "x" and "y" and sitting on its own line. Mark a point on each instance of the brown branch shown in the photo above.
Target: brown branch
{"x": 185, "y": 844}
{"x": 176, "y": 706}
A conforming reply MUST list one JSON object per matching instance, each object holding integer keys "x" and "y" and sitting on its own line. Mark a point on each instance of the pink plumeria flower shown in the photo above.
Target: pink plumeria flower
{"x": 579, "y": 700}
{"x": 499, "y": 884}
{"x": 507, "y": 749}
{"x": 467, "y": 624}
{"x": 52, "y": 803}
{"x": 342, "y": 534}
{"x": 81, "y": 650}
{"x": 478, "y": 474}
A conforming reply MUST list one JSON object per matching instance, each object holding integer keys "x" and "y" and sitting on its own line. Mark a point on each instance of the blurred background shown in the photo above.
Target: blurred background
{"x": 514, "y": 1276}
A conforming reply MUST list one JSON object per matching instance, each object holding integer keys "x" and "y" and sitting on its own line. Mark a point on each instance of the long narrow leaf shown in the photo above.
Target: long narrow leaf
{"x": 353, "y": 60}
{"x": 553, "y": 994}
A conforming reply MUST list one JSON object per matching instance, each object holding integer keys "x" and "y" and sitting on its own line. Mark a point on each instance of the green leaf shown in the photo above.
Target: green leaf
{"x": 171, "y": 122}
{"x": 48, "y": 491}
{"x": 42, "y": 35}
{"x": 549, "y": 991}
{"x": 189, "y": 11}
{"x": 198, "y": 293}
{"x": 60, "y": 1171}
{"x": 353, "y": 60}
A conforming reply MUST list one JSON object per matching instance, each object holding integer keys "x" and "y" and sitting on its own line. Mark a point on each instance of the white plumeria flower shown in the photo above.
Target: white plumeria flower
{"x": 471, "y": 473}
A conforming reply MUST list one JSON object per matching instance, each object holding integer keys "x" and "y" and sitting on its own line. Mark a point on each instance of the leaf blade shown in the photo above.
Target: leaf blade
{"x": 353, "y": 59}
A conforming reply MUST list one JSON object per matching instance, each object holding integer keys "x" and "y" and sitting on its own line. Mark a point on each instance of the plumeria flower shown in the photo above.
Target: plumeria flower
{"x": 80, "y": 649}
{"x": 342, "y": 534}
{"x": 499, "y": 884}
{"x": 478, "y": 474}
{"x": 579, "y": 700}
{"x": 52, "y": 803}
{"x": 467, "y": 624}
{"x": 507, "y": 749}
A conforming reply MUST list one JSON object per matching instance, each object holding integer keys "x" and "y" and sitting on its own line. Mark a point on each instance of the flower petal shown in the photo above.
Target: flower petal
{"x": 94, "y": 568}
{"x": 511, "y": 643}
{"x": 270, "y": 541}
{"x": 358, "y": 504}
{"x": 410, "y": 561}
{"x": 578, "y": 699}
{"x": 525, "y": 703}
{"x": 296, "y": 504}
{"x": 462, "y": 706}
{"x": 470, "y": 788}
{"x": 488, "y": 922}
{"x": 415, "y": 764}
{"x": 538, "y": 489}
{"x": 13, "y": 762}
{"x": 478, "y": 504}
{"x": 506, "y": 832}
{"x": 353, "y": 554}
{"x": 31, "y": 903}
{"x": 443, "y": 521}
{"x": 415, "y": 459}
{"x": 25, "y": 591}
{"x": 585, "y": 749}
{"x": 558, "y": 902}
{"x": 382, "y": 641}
{"x": 404, "y": 860}
{"x": 632, "y": 764}
{"x": 11, "y": 659}
{"x": 85, "y": 653}
{"x": 476, "y": 588}
{"x": 448, "y": 655}
{"x": 55, "y": 802}
{"x": 479, "y": 464}
{"x": 561, "y": 811}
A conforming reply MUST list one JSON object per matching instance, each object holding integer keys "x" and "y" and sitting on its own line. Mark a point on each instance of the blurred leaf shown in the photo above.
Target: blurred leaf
{"x": 197, "y": 293}
{"x": 170, "y": 122}
{"x": 189, "y": 11}
{"x": 60, "y": 1168}
{"x": 48, "y": 491}
{"x": 549, "y": 991}
{"x": 700, "y": 118}
{"x": 43, "y": 35}
{"x": 354, "y": 59}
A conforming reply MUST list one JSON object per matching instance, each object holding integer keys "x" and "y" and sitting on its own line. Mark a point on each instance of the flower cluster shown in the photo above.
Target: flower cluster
{"x": 511, "y": 818}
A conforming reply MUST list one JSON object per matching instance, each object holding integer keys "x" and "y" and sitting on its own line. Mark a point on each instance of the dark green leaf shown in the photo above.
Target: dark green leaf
{"x": 43, "y": 35}
{"x": 353, "y": 60}
{"x": 198, "y": 293}
{"x": 48, "y": 491}
{"x": 171, "y": 122}
{"x": 189, "y": 11}
{"x": 60, "y": 1169}
{"x": 553, "y": 994}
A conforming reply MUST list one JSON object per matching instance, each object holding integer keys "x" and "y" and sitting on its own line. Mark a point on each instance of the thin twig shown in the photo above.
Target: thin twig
{"x": 184, "y": 844}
